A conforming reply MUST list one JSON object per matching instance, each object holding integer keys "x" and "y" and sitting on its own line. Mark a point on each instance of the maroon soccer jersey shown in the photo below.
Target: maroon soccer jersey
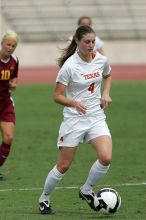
{"x": 8, "y": 71}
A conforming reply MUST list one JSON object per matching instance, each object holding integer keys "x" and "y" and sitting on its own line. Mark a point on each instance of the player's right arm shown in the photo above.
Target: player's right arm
{"x": 59, "y": 97}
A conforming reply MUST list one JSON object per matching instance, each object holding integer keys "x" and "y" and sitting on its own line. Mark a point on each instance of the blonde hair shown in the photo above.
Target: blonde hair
{"x": 10, "y": 35}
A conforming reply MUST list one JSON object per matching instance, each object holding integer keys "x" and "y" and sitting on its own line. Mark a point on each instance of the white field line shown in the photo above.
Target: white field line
{"x": 74, "y": 187}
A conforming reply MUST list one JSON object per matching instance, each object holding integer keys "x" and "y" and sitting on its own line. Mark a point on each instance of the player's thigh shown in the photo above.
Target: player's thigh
{"x": 66, "y": 154}
{"x": 103, "y": 147}
{"x": 7, "y": 128}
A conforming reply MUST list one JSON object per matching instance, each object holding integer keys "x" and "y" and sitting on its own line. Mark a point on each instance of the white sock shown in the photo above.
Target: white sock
{"x": 52, "y": 180}
{"x": 96, "y": 172}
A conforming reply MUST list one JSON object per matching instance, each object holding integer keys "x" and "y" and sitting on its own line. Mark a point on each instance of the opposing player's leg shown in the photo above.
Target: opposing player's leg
{"x": 7, "y": 130}
{"x": 103, "y": 147}
{"x": 7, "y": 125}
{"x": 66, "y": 155}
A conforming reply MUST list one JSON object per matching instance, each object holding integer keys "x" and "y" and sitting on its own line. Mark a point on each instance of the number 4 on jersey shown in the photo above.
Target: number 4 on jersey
{"x": 91, "y": 88}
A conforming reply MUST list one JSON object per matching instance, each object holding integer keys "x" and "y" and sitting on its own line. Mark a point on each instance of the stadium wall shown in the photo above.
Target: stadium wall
{"x": 46, "y": 54}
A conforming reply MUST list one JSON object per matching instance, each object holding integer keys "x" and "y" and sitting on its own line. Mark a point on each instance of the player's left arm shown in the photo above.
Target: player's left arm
{"x": 106, "y": 99}
{"x": 13, "y": 83}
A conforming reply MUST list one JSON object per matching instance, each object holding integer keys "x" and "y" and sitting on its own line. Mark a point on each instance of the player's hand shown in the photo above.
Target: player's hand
{"x": 12, "y": 84}
{"x": 105, "y": 101}
{"x": 80, "y": 107}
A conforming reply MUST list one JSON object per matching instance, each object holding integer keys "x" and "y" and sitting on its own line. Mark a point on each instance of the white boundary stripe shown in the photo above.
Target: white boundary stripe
{"x": 74, "y": 187}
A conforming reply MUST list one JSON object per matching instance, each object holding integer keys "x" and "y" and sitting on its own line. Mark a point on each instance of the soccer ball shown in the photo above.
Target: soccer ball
{"x": 107, "y": 201}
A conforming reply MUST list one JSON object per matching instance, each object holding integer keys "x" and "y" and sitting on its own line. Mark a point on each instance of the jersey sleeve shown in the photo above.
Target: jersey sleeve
{"x": 63, "y": 75}
{"x": 70, "y": 40}
{"x": 106, "y": 69}
{"x": 16, "y": 66}
{"x": 98, "y": 43}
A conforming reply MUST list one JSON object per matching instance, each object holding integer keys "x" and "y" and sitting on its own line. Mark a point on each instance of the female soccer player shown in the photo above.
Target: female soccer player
{"x": 8, "y": 82}
{"x": 80, "y": 77}
{"x": 85, "y": 20}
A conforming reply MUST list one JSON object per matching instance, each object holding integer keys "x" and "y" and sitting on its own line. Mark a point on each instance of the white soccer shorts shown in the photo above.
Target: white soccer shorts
{"x": 75, "y": 129}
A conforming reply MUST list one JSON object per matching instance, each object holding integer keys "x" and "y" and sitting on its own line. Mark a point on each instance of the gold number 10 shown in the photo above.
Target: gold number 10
{"x": 5, "y": 74}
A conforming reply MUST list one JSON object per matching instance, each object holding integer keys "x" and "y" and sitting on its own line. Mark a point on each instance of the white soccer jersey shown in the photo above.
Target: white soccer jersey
{"x": 83, "y": 81}
{"x": 98, "y": 44}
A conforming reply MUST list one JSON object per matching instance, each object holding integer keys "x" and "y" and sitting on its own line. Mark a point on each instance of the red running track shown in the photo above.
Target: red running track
{"x": 47, "y": 75}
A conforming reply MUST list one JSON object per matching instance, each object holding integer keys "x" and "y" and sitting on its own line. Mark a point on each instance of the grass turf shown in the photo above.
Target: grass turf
{"x": 34, "y": 152}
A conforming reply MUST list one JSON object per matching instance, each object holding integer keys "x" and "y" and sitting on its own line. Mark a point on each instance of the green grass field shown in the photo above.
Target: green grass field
{"x": 34, "y": 153}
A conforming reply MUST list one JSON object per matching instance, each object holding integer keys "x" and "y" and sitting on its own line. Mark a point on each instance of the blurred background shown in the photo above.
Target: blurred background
{"x": 45, "y": 25}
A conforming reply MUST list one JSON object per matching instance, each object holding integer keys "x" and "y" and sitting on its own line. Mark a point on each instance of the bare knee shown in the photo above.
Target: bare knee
{"x": 8, "y": 138}
{"x": 105, "y": 160}
{"x": 63, "y": 166}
